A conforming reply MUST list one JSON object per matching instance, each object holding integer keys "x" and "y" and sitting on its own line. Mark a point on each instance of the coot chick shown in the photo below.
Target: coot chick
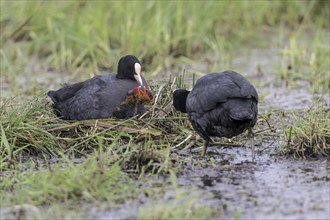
{"x": 220, "y": 104}
{"x": 134, "y": 103}
{"x": 99, "y": 96}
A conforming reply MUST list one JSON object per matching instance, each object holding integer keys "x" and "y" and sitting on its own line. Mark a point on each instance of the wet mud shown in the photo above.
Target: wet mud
{"x": 269, "y": 188}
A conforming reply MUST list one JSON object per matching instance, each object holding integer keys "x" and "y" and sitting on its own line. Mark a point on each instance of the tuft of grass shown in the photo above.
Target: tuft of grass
{"x": 23, "y": 129}
{"x": 309, "y": 136}
{"x": 93, "y": 180}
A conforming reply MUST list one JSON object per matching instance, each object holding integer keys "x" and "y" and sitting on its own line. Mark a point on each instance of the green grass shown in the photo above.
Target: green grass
{"x": 113, "y": 155}
{"x": 59, "y": 183}
{"x": 179, "y": 208}
{"x": 72, "y": 34}
{"x": 64, "y": 189}
{"x": 80, "y": 45}
{"x": 25, "y": 129}
{"x": 139, "y": 144}
{"x": 309, "y": 136}
{"x": 308, "y": 63}
{"x": 79, "y": 39}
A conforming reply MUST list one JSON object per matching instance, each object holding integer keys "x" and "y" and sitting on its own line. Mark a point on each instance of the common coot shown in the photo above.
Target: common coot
{"x": 220, "y": 104}
{"x": 102, "y": 95}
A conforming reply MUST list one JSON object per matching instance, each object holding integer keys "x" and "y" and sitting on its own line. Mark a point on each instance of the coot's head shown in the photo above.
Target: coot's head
{"x": 129, "y": 67}
{"x": 179, "y": 99}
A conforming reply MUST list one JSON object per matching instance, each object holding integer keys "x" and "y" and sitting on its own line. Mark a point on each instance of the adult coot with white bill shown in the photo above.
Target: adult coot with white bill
{"x": 102, "y": 95}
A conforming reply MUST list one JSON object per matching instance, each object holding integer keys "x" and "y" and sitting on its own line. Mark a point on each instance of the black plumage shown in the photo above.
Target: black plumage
{"x": 100, "y": 96}
{"x": 220, "y": 104}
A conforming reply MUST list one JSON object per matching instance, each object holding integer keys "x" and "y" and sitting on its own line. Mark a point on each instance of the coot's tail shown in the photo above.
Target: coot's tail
{"x": 52, "y": 95}
{"x": 66, "y": 92}
{"x": 243, "y": 110}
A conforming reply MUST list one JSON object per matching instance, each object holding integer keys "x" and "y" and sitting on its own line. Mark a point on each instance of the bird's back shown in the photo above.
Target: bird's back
{"x": 222, "y": 104}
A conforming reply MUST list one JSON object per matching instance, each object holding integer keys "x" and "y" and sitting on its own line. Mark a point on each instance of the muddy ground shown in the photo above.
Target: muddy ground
{"x": 272, "y": 187}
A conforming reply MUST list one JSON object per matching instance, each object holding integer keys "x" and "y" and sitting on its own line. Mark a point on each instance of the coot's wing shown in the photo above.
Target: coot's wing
{"x": 66, "y": 92}
{"x": 200, "y": 124}
{"x": 247, "y": 89}
{"x": 92, "y": 99}
{"x": 85, "y": 103}
{"x": 216, "y": 88}
{"x": 99, "y": 97}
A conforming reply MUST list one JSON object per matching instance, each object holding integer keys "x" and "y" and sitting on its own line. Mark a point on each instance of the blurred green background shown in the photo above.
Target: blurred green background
{"x": 88, "y": 36}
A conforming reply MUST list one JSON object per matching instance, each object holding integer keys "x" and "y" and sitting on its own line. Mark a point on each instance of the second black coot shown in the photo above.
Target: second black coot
{"x": 220, "y": 104}
{"x": 100, "y": 96}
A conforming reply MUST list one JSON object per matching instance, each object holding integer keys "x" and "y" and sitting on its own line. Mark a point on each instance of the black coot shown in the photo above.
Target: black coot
{"x": 102, "y": 95}
{"x": 220, "y": 104}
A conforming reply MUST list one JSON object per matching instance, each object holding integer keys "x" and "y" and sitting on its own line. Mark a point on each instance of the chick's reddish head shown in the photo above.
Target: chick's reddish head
{"x": 141, "y": 94}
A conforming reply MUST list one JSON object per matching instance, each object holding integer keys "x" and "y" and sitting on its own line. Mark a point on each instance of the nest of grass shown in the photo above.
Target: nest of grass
{"x": 147, "y": 140}
{"x": 140, "y": 144}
